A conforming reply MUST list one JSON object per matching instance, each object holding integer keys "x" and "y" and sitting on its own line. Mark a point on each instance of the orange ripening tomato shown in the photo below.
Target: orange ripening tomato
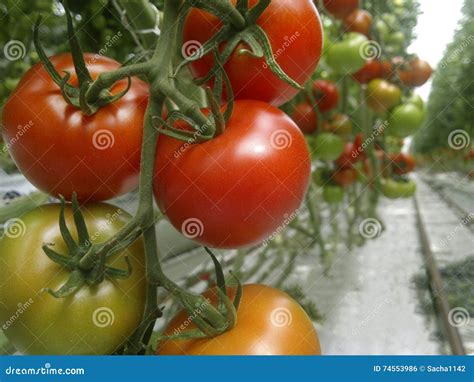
{"x": 291, "y": 26}
{"x": 269, "y": 322}
{"x": 340, "y": 8}
{"x": 370, "y": 71}
{"x": 61, "y": 150}
{"x": 305, "y": 117}
{"x": 403, "y": 163}
{"x": 345, "y": 177}
{"x": 417, "y": 73}
{"x": 359, "y": 21}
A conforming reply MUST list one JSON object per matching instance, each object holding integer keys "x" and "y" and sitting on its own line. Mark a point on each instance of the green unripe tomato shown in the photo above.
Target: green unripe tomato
{"x": 405, "y": 120}
{"x": 328, "y": 146}
{"x": 333, "y": 194}
{"x": 347, "y": 56}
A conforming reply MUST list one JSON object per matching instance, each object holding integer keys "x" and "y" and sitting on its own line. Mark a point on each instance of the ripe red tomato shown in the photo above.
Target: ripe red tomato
{"x": 326, "y": 94}
{"x": 417, "y": 73}
{"x": 62, "y": 150}
{"x": 345, "y": 177}
{"x": 340, "y": 8}
{"x": 305, "y": 117}
{"x": 371, "y": 70}
{"x": 238, "y": 188}
{"x": 383, "y": 96}
{"x": 402, "y": 163}
{"x": 359, "y": 21}
{"x": 269, "y": 322}
{"x": 353, "y": 151}
{"x": 297, "y": 50}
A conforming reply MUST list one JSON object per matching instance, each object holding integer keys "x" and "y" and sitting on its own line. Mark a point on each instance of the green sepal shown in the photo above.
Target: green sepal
{"x": 80, "y": 223}
{"x": 65, "y": 233}
{"x": 82, "y": 72}
{"x": 65, "y": 261}
{"x": 220, "y": 278}
{"x": 73, "y": 284}
{"x": 119, "y": 273}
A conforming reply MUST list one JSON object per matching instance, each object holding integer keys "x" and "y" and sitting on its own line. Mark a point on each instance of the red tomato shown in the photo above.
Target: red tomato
{"x": 62, "y": 150}
{"x": 359, "y": 21}
{"x": 387, "y": 70}
{"x": 345, "y": 177}
{"x": 402, "y": 163}
{"x": 305, "y": 117}
{"x": 371, "y": 70}
{"x": 417, "y": 73}
{"x": 295, "y": 32}
{"x": 238, "y": 188}
{"x": 269, "y": 322}
{"x": 353, "y": 151}
{"x": 326, "y": 94}
{"x": 340, "y": 8}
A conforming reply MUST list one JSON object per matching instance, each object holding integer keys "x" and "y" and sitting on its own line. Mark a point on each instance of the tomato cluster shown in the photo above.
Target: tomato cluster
{"x": 232, "y": 189}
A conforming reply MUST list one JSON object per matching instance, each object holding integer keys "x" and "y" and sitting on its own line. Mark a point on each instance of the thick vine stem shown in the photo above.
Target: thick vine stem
{"x": 106, "y": 80}
{"x": 223, "y": 9}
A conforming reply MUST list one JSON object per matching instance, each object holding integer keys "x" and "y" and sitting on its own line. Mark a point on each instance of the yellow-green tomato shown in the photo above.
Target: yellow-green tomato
{"x": 393, "y": 189}
{"x": 95, "y": 320}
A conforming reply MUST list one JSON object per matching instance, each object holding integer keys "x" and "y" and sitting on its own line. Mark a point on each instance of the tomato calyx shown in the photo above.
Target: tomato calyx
{"x": 250, "y": 34}
{"x": 76, "y": 251}
{"x": 75, "y": 96}
{"x": 210, "y": 320}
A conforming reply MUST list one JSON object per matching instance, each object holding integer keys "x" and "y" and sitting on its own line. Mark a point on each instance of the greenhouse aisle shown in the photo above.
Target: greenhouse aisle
{"x": 371, "y": 305}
